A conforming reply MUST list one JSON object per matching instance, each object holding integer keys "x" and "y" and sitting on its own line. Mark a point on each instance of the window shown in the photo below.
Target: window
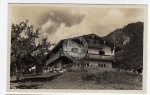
{"x": 98, "y": 64}
{"x": 102, "y": 65}
{"x": 87, "y": 63}
{"x": 101, "y": 52}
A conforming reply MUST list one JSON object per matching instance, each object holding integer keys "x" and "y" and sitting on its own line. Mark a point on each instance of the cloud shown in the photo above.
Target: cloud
{"x": 98, "y": 21}
{"x": 58, "y": 17}
{"x": 58, "y": 22}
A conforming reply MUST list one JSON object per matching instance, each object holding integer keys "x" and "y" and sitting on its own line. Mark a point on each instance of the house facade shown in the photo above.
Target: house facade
{"x": 100, "y": 53}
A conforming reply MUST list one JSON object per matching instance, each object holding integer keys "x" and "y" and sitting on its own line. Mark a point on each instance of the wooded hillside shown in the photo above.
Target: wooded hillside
{"x": 130, "y": 38}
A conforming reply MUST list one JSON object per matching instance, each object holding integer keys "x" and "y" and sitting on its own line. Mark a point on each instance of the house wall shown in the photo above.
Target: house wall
{"x": 95, "y": 63}
{"x": 93, "y": 50}
{"x": 107, "y": 50}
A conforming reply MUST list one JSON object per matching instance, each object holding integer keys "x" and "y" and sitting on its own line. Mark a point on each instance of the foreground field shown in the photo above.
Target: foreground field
{"x": 80, "y": 80}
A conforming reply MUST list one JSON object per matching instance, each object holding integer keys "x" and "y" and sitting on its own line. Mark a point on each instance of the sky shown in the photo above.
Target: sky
{"x": 60, "y": 21}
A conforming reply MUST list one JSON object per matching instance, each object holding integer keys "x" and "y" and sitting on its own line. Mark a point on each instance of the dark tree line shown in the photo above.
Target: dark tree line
{"x": 130, "y": 38}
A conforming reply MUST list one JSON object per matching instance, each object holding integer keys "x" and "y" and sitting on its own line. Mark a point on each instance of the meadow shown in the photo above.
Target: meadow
{"x": 93, "y": 79}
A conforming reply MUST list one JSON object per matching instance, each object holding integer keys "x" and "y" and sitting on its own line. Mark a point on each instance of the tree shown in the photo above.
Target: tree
{"x": 41, "y": 53}
{"x": 130, "y": 38}
{"x": 23, "y": 46}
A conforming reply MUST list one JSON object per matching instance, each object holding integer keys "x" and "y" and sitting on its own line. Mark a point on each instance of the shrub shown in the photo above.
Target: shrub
{"x": 88, "y": 76}
{"x": 117, "y": 77}
{"x": 72, "y": 70}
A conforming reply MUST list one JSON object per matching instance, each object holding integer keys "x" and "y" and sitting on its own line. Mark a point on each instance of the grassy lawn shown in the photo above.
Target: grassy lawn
{"x": 75, "y": 80}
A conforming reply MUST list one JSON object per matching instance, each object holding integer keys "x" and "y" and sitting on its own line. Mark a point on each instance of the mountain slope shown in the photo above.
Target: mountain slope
{"x": 130, "y": 38}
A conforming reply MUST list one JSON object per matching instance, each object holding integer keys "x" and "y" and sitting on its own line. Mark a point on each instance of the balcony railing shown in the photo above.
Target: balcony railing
{"x": 89, "y": 56}
{"x": 54, "y": 57}
{"x": 100, "y": 57}
{"x": 92, "y": 45}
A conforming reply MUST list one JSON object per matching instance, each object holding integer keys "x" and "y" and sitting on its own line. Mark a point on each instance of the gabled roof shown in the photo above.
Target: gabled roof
{"x": 110, "y": 44}
{"x": 106, "y": 42}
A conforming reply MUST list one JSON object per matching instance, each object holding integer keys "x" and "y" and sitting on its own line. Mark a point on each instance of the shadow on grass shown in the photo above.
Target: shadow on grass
{"x": 33, "y": 75}
{"x": 36, "y": 79}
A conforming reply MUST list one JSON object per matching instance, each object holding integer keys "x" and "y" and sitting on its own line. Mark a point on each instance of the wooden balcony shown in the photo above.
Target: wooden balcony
{"x": 88, "y": 56}
{"x": 54, "y": 57}
{"x": 100, "y": 57}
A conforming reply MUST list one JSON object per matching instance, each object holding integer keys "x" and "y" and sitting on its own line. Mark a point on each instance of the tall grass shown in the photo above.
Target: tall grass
{"x": 114, "y": 77}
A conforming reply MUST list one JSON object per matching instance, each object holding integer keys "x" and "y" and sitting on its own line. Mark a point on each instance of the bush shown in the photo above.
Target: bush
{"x": 76, "y": 69}
{"x": 117, "y": 77}
{"x": 88, "y": 76}
{"x": 72, "y": 70}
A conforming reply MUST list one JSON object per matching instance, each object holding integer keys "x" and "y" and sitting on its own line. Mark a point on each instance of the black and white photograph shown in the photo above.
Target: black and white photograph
{"x": 77, "y": 47}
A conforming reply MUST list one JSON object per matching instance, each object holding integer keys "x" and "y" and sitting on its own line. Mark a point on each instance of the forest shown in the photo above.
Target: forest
{"x": 130, "y": 39}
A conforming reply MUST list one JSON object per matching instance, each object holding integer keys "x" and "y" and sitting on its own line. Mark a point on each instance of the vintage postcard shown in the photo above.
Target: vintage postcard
{"x": 77, "y": 48}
